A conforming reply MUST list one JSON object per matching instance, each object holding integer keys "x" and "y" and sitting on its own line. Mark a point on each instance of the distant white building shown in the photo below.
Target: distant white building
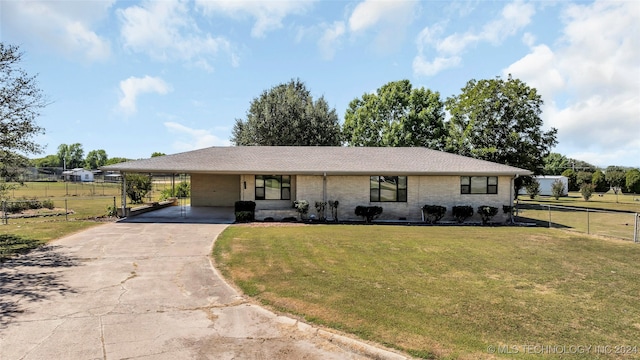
{"x": 545, "y": 182}
{"x": 78, "y": 175}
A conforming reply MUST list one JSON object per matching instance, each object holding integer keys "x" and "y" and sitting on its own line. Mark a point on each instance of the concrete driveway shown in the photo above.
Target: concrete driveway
{"x": 146, "y": 291}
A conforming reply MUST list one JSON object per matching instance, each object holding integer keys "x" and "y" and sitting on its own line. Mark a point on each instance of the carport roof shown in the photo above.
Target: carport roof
{"x": 317, "y": 160}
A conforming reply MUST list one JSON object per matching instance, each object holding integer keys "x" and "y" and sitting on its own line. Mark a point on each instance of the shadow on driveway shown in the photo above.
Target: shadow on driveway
{"x": 29, "y": 278}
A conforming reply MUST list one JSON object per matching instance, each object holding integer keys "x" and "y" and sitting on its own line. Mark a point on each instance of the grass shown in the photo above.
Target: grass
{"x": 608, "y": 201}
{"x": 444, "y": 292}
{"x": 615, "y": 223}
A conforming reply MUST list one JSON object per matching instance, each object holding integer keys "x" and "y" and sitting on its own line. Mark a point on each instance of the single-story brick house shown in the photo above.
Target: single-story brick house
{"x": 400, "y": 180}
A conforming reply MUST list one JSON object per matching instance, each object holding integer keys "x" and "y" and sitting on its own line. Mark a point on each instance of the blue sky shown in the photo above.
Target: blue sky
{"x": 134, "y": 77}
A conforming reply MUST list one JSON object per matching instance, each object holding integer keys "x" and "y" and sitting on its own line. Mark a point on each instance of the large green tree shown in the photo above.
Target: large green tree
{"x": 632, "y": 180}
{"x": 96, "y": 159}
{"x": 396, "y": 115}
{"x": 287, "y": 115}
{"x": 615, "y": 176}
{"x": 21, "y": 101}
{"x": 555, "y": 164}
{"x": 46, "y": 162}
{"x": 71, "y": 156}
{"x": 499, "y": 120}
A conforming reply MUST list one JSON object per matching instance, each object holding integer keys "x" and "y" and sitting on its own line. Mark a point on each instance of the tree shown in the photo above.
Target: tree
{"x": 583, "y": 177}
{"x": 396, "y": 115}
{"x": 533, "y": 188}
{"x": 138, "y": 186}
{"x": 287, "y": 115}
{"x": 579, "y": 165}
{"x": 116, "y": 160}
{"x": 586, "y": 190}
{"x": 499, "y": 120}
{"x": 557, "y": 189}
{"x": 157, "y": 153}
{"x": 96, "y": 159}
{"x": 48, "y": 161}
{"x": 71, "y": 156}
{"x": 20, "y": 103}
{"x": 616, "y": 179}
{"x": 572, "y": 178}
{"x": 555, "y": 164}
{"x": 632, "y": 178}
{"x": 599, "y": 182}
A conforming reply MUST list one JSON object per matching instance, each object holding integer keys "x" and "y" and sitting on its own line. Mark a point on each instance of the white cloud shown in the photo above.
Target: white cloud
{"x": 193, "y": 138}
{"x": 330, "y": 39}
{"x": 64, "y": 26}
{"x": 389, "y": 19}
{"x": 425, "y": 67}
{"x": 589, "y": 81}
{"x": 133, "y": 86}
{"x": 165, "y": 31}
{"x": 513, "y": 17}
{"x": 268, "y": 15}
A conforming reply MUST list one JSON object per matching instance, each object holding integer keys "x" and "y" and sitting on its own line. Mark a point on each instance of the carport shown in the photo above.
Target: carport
{"x": 186, "y": 214}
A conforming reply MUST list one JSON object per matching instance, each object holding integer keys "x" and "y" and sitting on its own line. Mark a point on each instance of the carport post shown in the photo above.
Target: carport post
{"x": 124, "y": 195}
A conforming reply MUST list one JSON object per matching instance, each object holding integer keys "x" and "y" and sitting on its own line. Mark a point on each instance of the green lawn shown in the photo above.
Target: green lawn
{"x": 444, "y": 292}
{"x": 608, "y": 201}
{"x": 616, "y": 223}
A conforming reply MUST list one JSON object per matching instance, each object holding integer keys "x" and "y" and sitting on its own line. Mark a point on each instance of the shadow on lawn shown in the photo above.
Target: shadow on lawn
{"x": 31, "y": 277}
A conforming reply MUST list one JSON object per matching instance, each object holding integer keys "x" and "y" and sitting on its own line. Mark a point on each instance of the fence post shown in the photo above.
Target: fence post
{"x": 588, "y": 228}
{"x": 549, "y": 207}
{"x": 66, "y": 211}
{"x": 635, "y": 228}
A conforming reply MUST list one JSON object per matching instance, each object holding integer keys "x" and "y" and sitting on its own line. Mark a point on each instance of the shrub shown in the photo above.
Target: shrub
{"x": 302, "y": 206}
{"x": 487, "y": 213}
{"x": 533, "y": 188}
{"x": 587, "y": 190}
{"x": 333, "y": 205}
{"x": 47, "y": 203}
{"x": 245, "y": 206}
{"x": 112, "y": 211}
{"x": 433, "y": 213}
{"x": 183, "y": 190}
{"x": 369, "y": 213}
{"x": 462, "y": 213}
{"x": 244, "y": 216}
{"x": 138, "y": 186}
{"x": 320, "y": 206}
{"x": 557, "y": 189}
{"x": 245, "y": 211}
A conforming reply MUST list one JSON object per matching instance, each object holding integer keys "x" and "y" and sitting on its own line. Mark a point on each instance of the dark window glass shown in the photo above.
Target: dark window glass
{"x": 479, "y": 185}
{"x": 388, "y": 189}
{"x": 273, "y": 187}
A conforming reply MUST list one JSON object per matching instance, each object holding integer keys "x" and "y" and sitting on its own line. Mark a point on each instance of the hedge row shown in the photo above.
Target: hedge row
{"x": 27, "y": 204}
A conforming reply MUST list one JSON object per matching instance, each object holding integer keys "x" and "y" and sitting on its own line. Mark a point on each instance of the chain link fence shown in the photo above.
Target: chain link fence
{"x": 618, "y": 224}
{"x": 69, "y": 201}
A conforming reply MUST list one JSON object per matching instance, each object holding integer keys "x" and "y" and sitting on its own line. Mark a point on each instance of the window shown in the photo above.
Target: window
{"x": 273, "y": 187}
{"x": 388, "y": 188}
{"x": 479, "y": 185}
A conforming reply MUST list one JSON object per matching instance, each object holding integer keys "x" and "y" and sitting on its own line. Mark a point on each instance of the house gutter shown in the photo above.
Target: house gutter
{"x": 513, "y": 184}
{"x": 324, "y": 194}
{"x": 124, "y": 194}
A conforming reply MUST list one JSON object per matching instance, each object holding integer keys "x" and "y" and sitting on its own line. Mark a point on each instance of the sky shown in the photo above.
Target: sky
{"x": 137, "y": 77}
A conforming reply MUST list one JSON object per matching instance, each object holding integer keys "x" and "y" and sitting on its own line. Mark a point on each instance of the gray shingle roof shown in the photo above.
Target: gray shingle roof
{"x": 317, "y": 160}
